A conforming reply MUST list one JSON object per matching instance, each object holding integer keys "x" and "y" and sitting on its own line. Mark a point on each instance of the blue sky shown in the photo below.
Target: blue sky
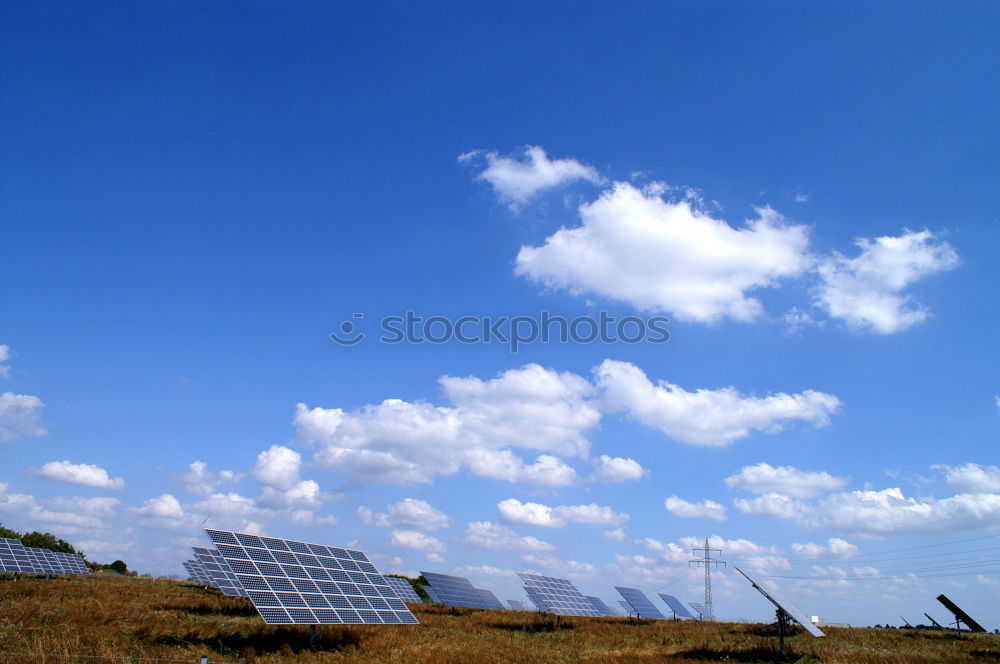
{"x": 193, "y": 199}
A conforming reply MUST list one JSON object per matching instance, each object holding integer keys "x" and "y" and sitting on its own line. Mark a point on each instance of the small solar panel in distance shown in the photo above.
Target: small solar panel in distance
{"x": 676, "y": 606}
{"x": 703, "y": 613}
{"x": 292, "y": 582}
{"x": 403, "y": 589}
{"x": 556, "y": 595}
{"x": 640, "y": 603}
{"x": 219, "y": 571}
{"x": 516, "y": 604}
{"x": 599, "y": 606}
{"x": 458, "y": 591}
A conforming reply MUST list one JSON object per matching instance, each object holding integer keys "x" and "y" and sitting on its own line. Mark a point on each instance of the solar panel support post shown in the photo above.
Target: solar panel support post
{"x": 782, "y": 621}
{"x": 312, "y": 637}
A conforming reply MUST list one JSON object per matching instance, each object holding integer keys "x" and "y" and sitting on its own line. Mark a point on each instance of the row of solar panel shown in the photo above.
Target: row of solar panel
{"x": 15, "y": 557}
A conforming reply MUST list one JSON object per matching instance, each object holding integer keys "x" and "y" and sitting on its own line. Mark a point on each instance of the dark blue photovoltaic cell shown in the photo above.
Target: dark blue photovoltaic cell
{"x": 299, "y": 588}
{"x": 675, "y": 605}
{"x": 403, "y": 589}
{"x": 556, "y": 595}
{"x": 640, "y": 603}
{"x": 459, "y": 591}
{"x": 599, "y": 606}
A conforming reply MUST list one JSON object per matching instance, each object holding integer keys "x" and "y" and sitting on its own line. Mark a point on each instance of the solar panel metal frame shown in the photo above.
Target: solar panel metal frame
{"x": 784, "y": 605}
{"x": 960, "y": 614}
{"x": 293, "y": 582}
{"x": 640, "y": 603}
{"x": 599, "y": 605}
{"x": 555, "y": 595}
{"x": 403, "y": 589}
{"x": 676, "y": 606}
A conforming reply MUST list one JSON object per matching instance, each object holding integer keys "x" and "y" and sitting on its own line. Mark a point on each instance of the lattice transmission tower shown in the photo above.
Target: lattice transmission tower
{"x": 707, "y": 561}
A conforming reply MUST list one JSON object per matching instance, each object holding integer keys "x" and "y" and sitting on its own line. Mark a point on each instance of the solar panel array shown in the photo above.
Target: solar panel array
{"x": 222, "y": 577}
{"x": 308, "y": 584}
{"x": 516, "y": 604}
{"x": 640, "y": 603}
{"x": 458, "y": 591}
{"x": 703, "y": 613}
{"x": 15, "y": 557}
{"x": 680, "y": 611}
{"x": 599, "y": 606}
{"x": 404, "y": 590}
{"x": 557, "y": 596}
{"x": 197, "y": 572}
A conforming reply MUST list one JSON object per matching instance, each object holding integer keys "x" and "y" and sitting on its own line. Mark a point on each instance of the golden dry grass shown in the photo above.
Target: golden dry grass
{"x": 131, "y": 618}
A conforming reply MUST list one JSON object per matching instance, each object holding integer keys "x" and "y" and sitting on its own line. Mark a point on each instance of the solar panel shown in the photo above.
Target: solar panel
{"x": 309, "y": 584}
{"x": 458, "y": 591}
{"x": 556, "y": 595}
{"x": 960, "y": 615}
{"x": 680, "y": 611}
{"x": 599, "y": 606}
{"x": 702, "y": 611}
{"x": 219, "y": 572}
{"x": 783, "y": 605}
{"x": 625, "y": 605}
{"x": 640, "y": 603}
{"x": 403, "y": 589}
{"x": 14, "y": 557}
{"x": 516, "y": 604}
{"x": 198, "y": 572}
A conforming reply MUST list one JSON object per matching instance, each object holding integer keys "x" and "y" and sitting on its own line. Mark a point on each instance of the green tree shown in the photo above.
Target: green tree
{"x": 119, "y": 567}
{"x": 8, "y": 533}
{"x": 47, "y": 541}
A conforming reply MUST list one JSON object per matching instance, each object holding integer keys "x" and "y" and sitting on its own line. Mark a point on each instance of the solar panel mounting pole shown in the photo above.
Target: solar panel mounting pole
{"x": 312, "y": 637}
{"x": 707, "y": 561}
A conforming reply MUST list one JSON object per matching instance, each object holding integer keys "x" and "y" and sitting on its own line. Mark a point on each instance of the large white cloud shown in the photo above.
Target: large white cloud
{"x": 407, "y": 514}
{"x": 490, "y": 535}
{"x": 278, "y": 466}
{"x": 418, "y": 541}
{"x": 408, "y": 442}
{"x": 20, "y": 416}
{"x": 886, "y": 511}
{"x": 517, "y": 181}
{"x": 867, "y": 292}
{"x": 665, "y": 256}
{"x": 538, "y": 514}
{"x": 706, "y": 509}
{"x": 163, "y": 511}
{"x": 79, "y": 473}
{"x": 765, "y": 478}
{"x": 706, "y": 417}
{"x": 71, "y": 516}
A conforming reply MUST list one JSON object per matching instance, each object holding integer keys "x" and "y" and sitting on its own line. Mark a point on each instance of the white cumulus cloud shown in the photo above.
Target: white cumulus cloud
{"x": 868, "y": 292}
{"x": 972, "y": 477}
{"x": 765, "y": 478}
{"x": 617, "y": 469}
{"x": 518, "y": 181}
{"x": 409, "y": 513}
{"x": 706, "y": 417}
{"x": 835, "y": 547}
{"x": 490, "y": 535}
{"x": 537, "y": 514}
{"x": 278, "y": 466}
{"x": 658, "y": 255}
{"x": 416, "y": 540}
{"x": 706, "y": 509}
{"x": 79, "y": 473}
{"x": 200, "y": 480}
{"x": 20, "y": 416}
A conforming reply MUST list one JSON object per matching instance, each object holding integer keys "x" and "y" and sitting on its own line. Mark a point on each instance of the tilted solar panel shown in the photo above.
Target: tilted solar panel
{"x": 625, "y": 605}
{"x": 403, "y": 589}
{"x": 640, "y": 603}
{"x": 680, "y": 611}
{"x": 309, "y": 584}
{"x": 219, "y": 571}
{"x": 556, "y": 595}
{"x": 458, "y": 591}
{"x": 702, "y": 611}
{"x": 599, "y": 606}
{"x": 14, "y": 557}
{"x": 516, "y": 604}
{"x": 784, "y": 605}
{"x": 197, "y": 572}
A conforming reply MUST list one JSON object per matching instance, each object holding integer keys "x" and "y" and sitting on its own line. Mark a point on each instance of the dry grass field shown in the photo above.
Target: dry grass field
{"x": 74, "y": 619}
